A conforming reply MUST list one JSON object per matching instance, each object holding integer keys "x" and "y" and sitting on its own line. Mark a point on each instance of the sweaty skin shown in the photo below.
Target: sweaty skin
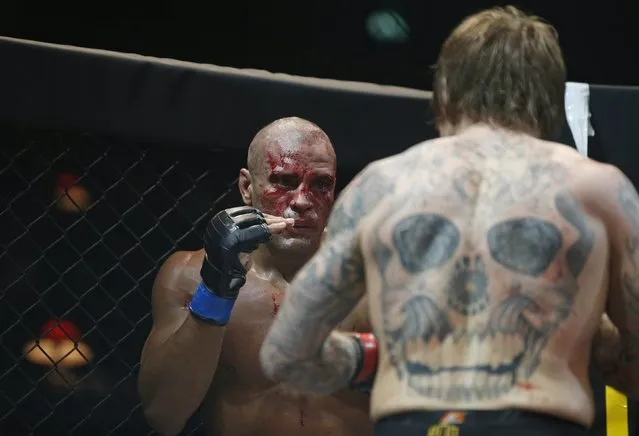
{"x": 486, "y": 258}
{"x": 487, "y": 274}
{"x": 187, "y": 364}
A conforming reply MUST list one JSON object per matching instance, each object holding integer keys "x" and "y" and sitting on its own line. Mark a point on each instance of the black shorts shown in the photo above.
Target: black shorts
{"x": 477, "y": 423}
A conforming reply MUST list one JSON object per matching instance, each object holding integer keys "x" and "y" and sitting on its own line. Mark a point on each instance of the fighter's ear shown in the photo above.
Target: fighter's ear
{"x": 244, "y": 183}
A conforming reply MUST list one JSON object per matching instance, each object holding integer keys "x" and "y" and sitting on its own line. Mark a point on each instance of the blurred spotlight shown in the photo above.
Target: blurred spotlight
{"x": 59, "y": 345}
{"x": 387, "y": 26}
{"x": 72, "y": 197}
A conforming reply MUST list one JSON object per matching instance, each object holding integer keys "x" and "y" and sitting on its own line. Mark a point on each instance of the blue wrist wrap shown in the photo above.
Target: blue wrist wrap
{"x": 211, "y": 308}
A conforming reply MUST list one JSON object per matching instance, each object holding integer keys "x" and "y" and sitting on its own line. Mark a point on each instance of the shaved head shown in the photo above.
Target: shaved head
{"x": 288, "y": 133}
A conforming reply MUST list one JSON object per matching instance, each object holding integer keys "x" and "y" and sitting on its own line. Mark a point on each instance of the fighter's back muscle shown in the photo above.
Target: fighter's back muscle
{"x": 476, "y": 261}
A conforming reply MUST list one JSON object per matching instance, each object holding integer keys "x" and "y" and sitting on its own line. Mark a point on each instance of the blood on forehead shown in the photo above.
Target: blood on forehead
{"x": 300, "y": 158}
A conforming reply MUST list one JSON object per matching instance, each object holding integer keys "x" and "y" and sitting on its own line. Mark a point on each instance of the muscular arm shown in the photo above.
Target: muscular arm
{"x": 301, "y": 347}
{"x": 181, "y": 353}
{"x": 620, "y": 365}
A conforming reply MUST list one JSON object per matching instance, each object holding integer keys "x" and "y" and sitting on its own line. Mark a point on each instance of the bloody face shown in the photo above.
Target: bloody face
{"x": 298, "y": 182}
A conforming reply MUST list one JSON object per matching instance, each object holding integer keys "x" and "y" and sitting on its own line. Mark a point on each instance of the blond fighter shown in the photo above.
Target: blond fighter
{"x": 487, "y": 255}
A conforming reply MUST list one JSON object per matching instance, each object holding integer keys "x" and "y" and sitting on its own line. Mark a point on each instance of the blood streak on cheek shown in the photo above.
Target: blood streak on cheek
{"x": 323, "y": 200}
{"x": 275, "y": 200}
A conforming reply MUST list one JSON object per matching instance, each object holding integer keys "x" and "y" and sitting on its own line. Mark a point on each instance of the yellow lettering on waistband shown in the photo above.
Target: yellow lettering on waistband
{"x": 443, "y": 430}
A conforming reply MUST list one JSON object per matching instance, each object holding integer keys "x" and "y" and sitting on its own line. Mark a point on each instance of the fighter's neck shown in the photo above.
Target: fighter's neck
{"x": 276, "y": 266}
{"x": 468, "y": 128}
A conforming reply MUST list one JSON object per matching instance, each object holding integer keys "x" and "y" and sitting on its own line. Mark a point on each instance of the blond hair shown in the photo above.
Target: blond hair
{"x": 505, "y": 68}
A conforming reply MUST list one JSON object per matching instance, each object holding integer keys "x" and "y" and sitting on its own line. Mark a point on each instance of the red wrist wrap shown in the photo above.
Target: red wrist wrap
{"x": 368, "y": 342}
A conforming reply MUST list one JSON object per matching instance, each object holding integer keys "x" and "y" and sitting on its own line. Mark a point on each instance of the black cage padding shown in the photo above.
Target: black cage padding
{"x": 162, "y": 100}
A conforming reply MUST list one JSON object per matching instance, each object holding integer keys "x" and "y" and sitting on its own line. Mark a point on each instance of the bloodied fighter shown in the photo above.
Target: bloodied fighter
{"x": 212, "y": 307}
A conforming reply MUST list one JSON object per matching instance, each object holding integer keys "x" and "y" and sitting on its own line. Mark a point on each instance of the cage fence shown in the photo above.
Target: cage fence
{"x": 85, "y": 222}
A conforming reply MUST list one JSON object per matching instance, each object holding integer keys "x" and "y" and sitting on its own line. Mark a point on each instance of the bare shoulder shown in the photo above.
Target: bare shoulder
{"x": 179, "y": 265}
{"x": 605, "y": 191}
{"x": 598, "y": 184}
{"x": 173, "y": 289}
{"x": 417, "y": 153}
{"x": 387, "y": 169}
{"x": 588, "y": 176}
{"x": 178, "y": 278}
{"x": 593, "y": 175}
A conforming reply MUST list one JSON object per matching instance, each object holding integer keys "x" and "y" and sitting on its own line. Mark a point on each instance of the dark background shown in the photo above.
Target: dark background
{"x": 95, "y": 268}
{"x": 321, "y": 38}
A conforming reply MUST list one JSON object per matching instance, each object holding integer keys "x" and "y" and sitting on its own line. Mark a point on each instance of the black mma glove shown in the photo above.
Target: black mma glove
{"x": 229, "y": 233}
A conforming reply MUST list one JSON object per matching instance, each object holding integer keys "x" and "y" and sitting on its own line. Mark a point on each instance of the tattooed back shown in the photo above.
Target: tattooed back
{"x": 486, "y": 275}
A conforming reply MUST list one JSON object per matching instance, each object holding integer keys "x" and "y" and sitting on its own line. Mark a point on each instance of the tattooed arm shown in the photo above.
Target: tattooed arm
{"x": 301, "y": 347}
{"x": 618, "y": 360}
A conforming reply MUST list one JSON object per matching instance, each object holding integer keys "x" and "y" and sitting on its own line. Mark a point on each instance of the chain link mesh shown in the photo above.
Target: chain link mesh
{"x": 85, "y": 223}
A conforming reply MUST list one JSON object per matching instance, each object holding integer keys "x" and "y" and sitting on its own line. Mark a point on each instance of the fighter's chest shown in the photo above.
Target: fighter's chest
{"x": 253, "y": 315}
